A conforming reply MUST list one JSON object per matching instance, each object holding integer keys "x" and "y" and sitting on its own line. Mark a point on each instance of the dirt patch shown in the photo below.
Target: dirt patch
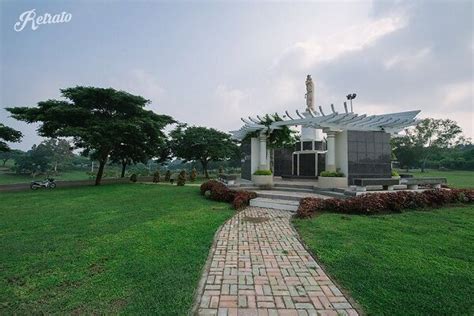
{"x": 118, "y": 304}
{"x": 255, "y": 219}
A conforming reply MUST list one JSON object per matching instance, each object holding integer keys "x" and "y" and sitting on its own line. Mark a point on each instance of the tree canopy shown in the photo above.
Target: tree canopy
{"x": 99, "y": 120}
{"x": 427, "y": 139}
{"x": 201, "y": 144}
{"x": 8, "y": 134}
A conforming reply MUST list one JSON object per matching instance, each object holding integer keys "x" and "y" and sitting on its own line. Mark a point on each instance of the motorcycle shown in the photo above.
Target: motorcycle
{"x": 47, "y": 183}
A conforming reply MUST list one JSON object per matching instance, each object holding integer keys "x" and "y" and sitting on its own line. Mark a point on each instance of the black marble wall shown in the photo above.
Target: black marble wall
{"x": 369, "y": 155}
{"x": 308, "y": 164}
{"x": 282, "y": 161}
{"x": 246, "y": 162}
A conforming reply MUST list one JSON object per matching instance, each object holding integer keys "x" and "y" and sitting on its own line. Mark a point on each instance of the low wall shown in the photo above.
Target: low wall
{"x": 72, "y": 183}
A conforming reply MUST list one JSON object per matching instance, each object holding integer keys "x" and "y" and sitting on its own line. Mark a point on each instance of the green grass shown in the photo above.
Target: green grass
{"x": 135, "y": 248}
{"x": 415, "y": 263}
{"x": 11, "y": 177}
{"x": 456, "y": 178}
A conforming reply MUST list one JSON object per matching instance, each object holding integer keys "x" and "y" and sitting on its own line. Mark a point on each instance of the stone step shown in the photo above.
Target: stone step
{"x": 335, "y": 193}
{"x": 279, "y": 196}
{"x": 292, "y": 189}
{"x": 278, "y": 204}
{"x": 293, "y": 185}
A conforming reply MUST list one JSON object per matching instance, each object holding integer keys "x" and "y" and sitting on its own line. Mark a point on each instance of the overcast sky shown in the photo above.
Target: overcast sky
{"x": 211, "y": 63}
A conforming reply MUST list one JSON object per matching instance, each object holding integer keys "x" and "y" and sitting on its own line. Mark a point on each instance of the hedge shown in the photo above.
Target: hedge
{"x": 218, "y": 191}
{"x": 376, "y": 203}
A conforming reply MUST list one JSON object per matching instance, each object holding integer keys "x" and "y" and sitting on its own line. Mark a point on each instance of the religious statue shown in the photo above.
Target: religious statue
{"x": 309, "y": 94}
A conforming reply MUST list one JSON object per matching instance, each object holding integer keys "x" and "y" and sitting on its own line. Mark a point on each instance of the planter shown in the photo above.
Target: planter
{"x": 395, "y": 177}
{"x": 263, "y": 181}
{"x": 332, "y": 182}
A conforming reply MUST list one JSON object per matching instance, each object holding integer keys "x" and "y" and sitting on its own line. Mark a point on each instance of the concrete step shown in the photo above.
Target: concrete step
{"x": 279, "y": 196}
{"x": 278, "y": 204}
{"x": 332, "y": 193}
{"x": 293, "y": 185}
{"x": 292, "y": 189}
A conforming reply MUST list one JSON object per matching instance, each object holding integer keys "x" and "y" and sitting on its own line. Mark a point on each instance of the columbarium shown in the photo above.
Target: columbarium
{"x": 353, "y": 145}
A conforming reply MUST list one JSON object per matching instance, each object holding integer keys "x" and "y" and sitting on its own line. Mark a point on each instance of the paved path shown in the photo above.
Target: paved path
{"x": 259, "y": 267}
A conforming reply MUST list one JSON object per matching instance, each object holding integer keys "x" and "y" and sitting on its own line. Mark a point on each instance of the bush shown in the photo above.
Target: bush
{"x": 331, "y": 174}
{"x": 156, "y": 176}
{"x": 395, "y": 174}
{"x": 218, "y": 191}
{"x": 167, "y": 175}
{"x": 193, "y": 175}
{"x": 376, "y": 203}
{"x": 263, "y": 173}
{"x": 133, "y": 178}
{"x": 242, "y": 199}
{"x": 181, "y": 178}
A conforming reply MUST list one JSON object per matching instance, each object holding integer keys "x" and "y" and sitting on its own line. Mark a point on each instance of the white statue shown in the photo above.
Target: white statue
{"x": 309, "y": 94}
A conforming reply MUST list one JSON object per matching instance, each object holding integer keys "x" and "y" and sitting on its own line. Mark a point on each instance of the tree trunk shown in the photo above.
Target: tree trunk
{"x": 5, "y": 162}
{"x": 204, "y": 168}
{"x": 100, "y": 172}
{"x": 55, "y": 167}
{"x": 124, "y": 165}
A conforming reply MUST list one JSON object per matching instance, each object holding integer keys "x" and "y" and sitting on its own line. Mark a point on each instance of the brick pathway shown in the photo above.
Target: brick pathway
{"x": 259, "y": 267}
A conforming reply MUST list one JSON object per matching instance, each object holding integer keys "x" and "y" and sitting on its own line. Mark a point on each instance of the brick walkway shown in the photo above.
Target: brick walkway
{"x": 259, "y": 267}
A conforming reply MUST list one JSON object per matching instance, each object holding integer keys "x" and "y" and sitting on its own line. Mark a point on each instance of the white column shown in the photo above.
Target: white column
{"x": 263, "y": 152}
{"x": 331, "y": 151}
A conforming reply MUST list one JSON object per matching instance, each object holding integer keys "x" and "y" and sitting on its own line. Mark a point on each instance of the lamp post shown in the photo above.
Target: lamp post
{"x": 350, "y": 97}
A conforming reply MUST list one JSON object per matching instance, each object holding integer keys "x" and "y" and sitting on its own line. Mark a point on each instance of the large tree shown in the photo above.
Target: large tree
{"x": 96, "y": 119}
{"x": 8, "y": 134}
{"x": 425, "y": 139}
{"x": 201, "y": 144}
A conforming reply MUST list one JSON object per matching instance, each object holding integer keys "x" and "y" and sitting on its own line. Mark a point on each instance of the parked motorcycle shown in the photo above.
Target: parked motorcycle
{"x": 47, "y": 183}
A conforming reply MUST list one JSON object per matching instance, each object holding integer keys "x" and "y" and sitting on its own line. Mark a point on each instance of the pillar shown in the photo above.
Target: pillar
{"x": 331, "y": 151}
{"x": 263, "y": 152}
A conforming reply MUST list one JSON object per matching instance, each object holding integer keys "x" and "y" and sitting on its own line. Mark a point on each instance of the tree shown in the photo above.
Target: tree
{"x": 60, "y": 152}
{"x": 8, "y": 134}
{"x": 201, "y": 144}
{"x": 426, "y": 139}
{"x": 98, "y": 120}
{"x": 34, "y": 161}
{"x": 11, "y": 154}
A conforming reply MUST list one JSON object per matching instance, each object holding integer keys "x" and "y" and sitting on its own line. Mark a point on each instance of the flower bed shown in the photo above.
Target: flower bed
{"x": 217, "y": 191}
{"x": 369, "y": 204}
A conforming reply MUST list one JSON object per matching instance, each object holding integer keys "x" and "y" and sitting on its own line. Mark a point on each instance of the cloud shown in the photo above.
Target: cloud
{"x": 458, "y": 93}
{"x": 140, "y": 82}
{"x": 306, "y": 54}
{"x": 232, "y": 99}
{"x": 408, "y": 61}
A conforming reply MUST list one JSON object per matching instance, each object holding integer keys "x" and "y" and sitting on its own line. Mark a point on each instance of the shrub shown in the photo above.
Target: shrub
{"x": 331, "y": 174}
{"x": 395, "y": 174}
{"x": 263, "y": 173}
{"x": 193, "y": 175}
{"x": 242, "y": 199}
{"x": 221, "y": 170}
{"x": 133, "y": 178}
{"x": 181, "y": 181}
{"x": 218, "y": 191}
{"x": 369, "y": 204}
{"x": 167, "y": 175}
{"x": 156, "y": 176}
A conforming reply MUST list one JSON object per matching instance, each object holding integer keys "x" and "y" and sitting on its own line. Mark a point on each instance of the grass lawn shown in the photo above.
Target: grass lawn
{"x": 415, "y": 263}
{"x": 134, "y": 248}
{"x": 456, "y": 178}
{"x": 11, "y": 177}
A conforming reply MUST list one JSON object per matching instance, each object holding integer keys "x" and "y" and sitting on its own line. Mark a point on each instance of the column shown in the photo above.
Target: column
{"x": 263, "y": 152}
{"x": 331, "y": 151}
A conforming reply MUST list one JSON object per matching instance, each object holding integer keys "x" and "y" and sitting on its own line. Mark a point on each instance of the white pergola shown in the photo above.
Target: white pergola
{"x": 330, "y": 124}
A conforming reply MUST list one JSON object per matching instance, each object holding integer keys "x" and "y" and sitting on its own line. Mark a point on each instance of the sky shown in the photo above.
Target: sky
{"x": 210, "y": 63}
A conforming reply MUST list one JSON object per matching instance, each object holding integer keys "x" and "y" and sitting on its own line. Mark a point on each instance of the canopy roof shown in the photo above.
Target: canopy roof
{"x": 390, "y": 123}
